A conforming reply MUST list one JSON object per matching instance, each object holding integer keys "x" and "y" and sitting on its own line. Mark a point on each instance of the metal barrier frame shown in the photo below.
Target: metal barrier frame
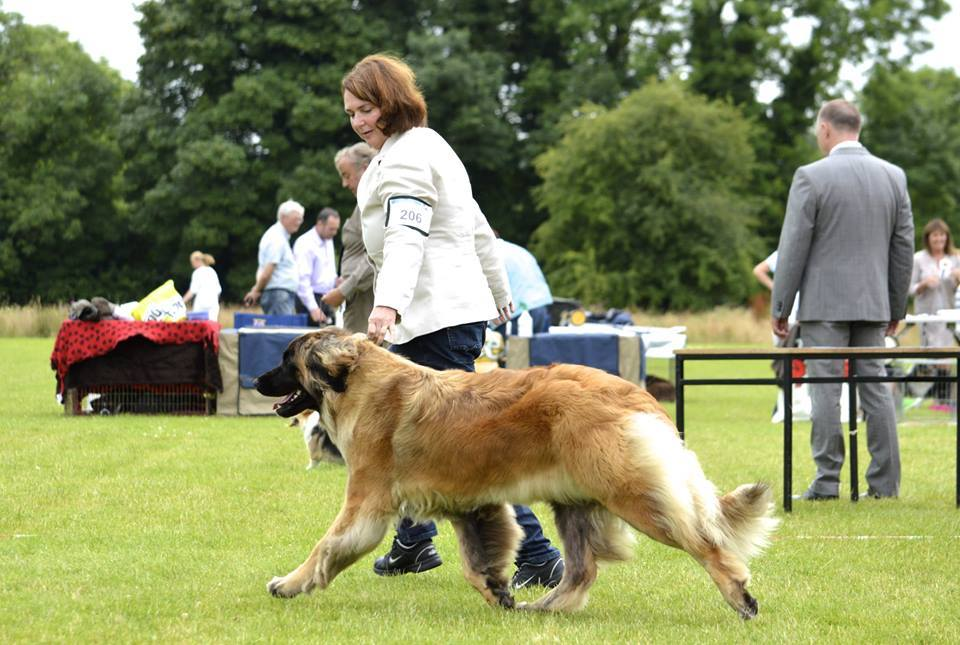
{"x": 787, "y": 355}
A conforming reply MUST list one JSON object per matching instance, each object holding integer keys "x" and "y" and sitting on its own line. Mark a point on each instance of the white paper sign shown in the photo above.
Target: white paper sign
{"x": 410, "y": 212}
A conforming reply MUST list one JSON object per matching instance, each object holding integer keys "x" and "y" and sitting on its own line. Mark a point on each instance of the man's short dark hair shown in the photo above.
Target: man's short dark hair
{"x": 841, "y": 114}
{"x": 326, "y": 213}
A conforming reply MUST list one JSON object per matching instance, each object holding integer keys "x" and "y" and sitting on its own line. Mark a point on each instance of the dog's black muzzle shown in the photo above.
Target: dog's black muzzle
{"x": 280, "y": 382}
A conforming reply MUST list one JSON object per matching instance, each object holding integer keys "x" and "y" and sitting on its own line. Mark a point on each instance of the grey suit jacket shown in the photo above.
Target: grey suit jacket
{"x": 847, "y": 241}
{"x": 357, "y": 272}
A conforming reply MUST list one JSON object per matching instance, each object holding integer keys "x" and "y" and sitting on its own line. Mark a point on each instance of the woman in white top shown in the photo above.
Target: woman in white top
{"x": 936, "y": 272}
{"x": 204, "y": 285}
{"x": 438, "y": 274}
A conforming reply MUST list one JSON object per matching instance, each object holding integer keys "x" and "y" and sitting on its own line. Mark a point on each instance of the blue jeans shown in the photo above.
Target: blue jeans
{"x": 456, "y": 348}
{"x": 278, "y": 302}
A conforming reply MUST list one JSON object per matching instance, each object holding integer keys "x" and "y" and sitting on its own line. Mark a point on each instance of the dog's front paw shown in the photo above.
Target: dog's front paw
{"x": 281, "y": 587}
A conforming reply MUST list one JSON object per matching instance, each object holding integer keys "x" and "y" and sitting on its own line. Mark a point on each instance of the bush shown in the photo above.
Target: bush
{"x": 649, "y": 203}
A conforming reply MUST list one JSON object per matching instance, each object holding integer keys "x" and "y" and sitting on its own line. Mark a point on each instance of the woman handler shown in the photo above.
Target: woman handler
{"x": 439, "y": 278}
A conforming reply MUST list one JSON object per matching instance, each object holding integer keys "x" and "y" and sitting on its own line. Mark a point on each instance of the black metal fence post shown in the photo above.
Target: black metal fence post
{"x": 852, "y": 428}
{"x": 787, "y": 384}
{"x": 787, "y": 380}
{"x": 678, "y": 378}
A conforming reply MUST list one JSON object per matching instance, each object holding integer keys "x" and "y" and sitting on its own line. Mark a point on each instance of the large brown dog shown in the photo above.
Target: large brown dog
{"x": 423, "y": 443}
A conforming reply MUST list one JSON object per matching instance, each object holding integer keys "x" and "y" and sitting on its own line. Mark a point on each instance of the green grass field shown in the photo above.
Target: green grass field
{"x": 136, "y": 528}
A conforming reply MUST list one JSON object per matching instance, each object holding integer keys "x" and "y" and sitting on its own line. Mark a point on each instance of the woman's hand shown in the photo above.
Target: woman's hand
{"x": 930, "y": 282}
{"x": 506, "y": 313}
{"x": 380, "y": 321}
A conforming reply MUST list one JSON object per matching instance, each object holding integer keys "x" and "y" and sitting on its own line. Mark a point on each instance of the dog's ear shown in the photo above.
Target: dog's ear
{"x": 329, "y": 359}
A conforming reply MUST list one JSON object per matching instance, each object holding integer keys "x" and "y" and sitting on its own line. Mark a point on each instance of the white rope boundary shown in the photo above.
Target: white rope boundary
{"x": 867, "y": 537}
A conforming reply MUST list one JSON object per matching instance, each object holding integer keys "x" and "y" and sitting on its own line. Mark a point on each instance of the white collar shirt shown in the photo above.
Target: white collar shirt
{"x": 846, "y": 144}
{"x": 317, "y": 266}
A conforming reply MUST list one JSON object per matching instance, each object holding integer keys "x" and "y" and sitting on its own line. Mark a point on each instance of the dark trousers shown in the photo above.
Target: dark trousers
{"x": 826, "y": 436}
{"x": 456, "y": 348}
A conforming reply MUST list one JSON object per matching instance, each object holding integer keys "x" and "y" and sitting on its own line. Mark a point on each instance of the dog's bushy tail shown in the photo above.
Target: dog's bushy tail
{"x": 748, "y": 519}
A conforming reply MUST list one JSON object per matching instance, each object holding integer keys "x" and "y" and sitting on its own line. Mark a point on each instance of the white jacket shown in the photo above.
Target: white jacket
{"x": 435, "y": 256}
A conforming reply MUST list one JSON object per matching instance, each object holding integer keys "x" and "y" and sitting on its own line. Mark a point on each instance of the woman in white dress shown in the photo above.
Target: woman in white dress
{"x": 204, "y": 285}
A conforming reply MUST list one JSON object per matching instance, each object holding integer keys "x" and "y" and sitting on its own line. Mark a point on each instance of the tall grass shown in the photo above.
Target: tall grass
{"x": 43, "y": 320}
{"x": 35, "y": 320}
{"x": 721, "y": 325}
{"x": 729, "y": 325}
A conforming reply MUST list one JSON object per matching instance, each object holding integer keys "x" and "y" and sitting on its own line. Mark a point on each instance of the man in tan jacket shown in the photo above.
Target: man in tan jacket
{"x": 355, "y": 286}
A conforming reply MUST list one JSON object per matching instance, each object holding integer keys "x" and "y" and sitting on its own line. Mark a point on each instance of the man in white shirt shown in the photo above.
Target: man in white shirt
{"x": 317, "y": 265}
{"x": 276, "y": 284}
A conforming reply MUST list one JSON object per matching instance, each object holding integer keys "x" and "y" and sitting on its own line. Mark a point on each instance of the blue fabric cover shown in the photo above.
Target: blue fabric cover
{"x": 594, "y": 350}
{"x": 242, "y": 319}
{"x": 260, "y": 353}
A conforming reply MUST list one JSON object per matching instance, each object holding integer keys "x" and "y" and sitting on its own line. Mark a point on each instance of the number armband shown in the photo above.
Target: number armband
{"x": 411, "y": 212}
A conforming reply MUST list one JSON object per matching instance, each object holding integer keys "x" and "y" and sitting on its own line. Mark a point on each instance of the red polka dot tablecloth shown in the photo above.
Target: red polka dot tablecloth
{"x": 78, "y": 340}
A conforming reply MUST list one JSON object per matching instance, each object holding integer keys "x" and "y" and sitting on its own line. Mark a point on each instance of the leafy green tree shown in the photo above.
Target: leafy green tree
{"x": 555, "y": 55}
{"x": 241, "y": 104}
{"x": 64, "y": 231}
{"x": 500, "y": 78}
{"x": 736, "y": 45}
{"x": 648, "y": 203}
{"x": 238, "y": 108}
{"x": 912, "y": 118}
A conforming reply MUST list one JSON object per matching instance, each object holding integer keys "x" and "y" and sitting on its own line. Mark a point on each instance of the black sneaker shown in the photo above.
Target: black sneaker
{"x": 543, "y": 574}
{"x": 415, "y": 558}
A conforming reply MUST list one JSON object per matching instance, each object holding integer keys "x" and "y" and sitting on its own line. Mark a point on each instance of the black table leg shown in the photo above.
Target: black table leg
{"x": 852, "y": 391}
{"x": 678, "y": 378}
{"x": 787, "y": 385}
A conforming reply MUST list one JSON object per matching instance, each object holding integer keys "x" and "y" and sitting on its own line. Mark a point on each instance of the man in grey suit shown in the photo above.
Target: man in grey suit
{"x": 847, "y": 246}
{"x": 356, "y": 271}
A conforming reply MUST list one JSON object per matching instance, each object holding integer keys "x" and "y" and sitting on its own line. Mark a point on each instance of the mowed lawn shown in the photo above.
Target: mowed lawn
{"x": 139, "y": 528}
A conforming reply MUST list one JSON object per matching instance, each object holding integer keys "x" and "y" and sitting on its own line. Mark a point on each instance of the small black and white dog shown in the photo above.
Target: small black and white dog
{"x": 319, "y": 446}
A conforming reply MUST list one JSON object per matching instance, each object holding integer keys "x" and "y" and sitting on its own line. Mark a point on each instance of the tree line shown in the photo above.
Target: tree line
{"x": 623, "y": 141}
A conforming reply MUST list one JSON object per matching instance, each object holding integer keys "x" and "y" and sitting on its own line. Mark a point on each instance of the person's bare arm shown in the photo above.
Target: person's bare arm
{"x": 263, "y": 277}
{"x": 762, "y": 273}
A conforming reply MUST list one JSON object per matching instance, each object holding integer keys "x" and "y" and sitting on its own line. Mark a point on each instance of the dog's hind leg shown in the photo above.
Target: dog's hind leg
{"x": 588, "y": 534}
{"x": 357, "y": 530}
{"x": 731, "y": 576}
{"x": 666, "y": 523}
{"x": 489, "y": 537}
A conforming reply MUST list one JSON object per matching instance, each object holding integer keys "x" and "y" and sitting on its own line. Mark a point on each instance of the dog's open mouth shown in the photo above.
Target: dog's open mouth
{"x": 294, "y": 404}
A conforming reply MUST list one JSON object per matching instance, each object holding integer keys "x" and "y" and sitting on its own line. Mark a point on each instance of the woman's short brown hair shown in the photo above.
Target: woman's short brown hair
{"x": 937, "y": 225}
{"x": 390, "y": 84}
